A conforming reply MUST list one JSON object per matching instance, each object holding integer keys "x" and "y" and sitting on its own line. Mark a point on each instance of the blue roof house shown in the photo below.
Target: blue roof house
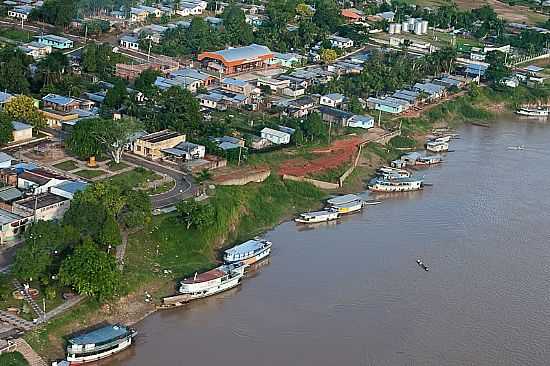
{"x": 54, "y": 41}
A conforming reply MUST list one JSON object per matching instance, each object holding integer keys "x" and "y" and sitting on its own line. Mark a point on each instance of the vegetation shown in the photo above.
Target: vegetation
{"x": 55, "y": 12}
{"x": 6, "y": 128}
{"x": 13, "y": 359}
{"x": 90, "y": 173}
{"x": 134, "y": 178}
{"x": 67, "y": 165}
{"x": 22, "y": 108}
{"x": 402, "y": 142}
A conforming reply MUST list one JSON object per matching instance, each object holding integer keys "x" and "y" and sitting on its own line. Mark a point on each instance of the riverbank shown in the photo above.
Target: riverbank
{"x": 164, "y": 251}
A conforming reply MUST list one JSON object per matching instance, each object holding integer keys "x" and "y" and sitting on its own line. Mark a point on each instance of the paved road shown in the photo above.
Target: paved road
{"x": 183, "y": 189}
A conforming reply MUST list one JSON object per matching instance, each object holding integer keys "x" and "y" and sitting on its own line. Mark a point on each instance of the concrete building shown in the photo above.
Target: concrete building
{"x": 20, "y": 12}
{"x": 35, "y": 50}
{"x": 66, "y": 104}
{"x": 332, "y": 100}
{"x": 21, "y": 131}
{"x": 186, "y": 151}
{"x": 54, "y": 41}
{"x": 5, "y": 160}
{"x": 151, "y": 145}
{"x": 45, "y": 206}
{"x": 237, "y": 86}
{"x": 384, "y": 105}
{"x": 130, "y": 72}
{"x": 340, "y": 42}
{"x": 11, "y": 225}
{"x": 129, "y": 42}
{"x": 69, "y": 188}
{"x": 275, "y": 136}
{"x": 187, "y": 78}
{"x": 235, "y": 60}
{"x": 38, "y": 180}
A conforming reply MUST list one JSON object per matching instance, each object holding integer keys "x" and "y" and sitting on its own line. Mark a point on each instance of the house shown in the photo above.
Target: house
{"x": 434, "y": 91}
{"x": 20, "y": 12}
{"x": 476, "y": 70}
{"x": 275, "y": 136}
{"x": 384, "y": 106}
{"x": 352, "y": 15}
{"x": 534, "y": 74}
{"x": 258, "y": 143}
{"x": 4, "y": 98}
{"x": 185, "y": 151}
{"x": 358, "y": 121}
{"x": 228, "y": 142}
{"x": 336, "y": 116}
{"x": 188, "y": 8}
{"x": 38, "y": 180}
{"x": 237, "y": 86}
{"x": 54, "y": 41}
{"x": 11, "y": 225}
{"x": 332, "y": 100}
{"x": 221, "y": 99}
{"x": 187, "y": 78}
{"x": 130, "y": 72}
{"x": 151, "y": 11}
{"x": 511, "y": 82}
{"x": 138, "y": 15}
{"x": 8, "y": 195}
{"x": 340, "y": 42}
{"x": 5, "y": 160}
{"x": 300, "y": 107}
{"x": 66, "y": 104}
{"x": 275, "y": 85}
{"x": 288, "y": 60}
{"x": 216, "y": 23}
{"x": 151, "y": 145}
{"x": 69, "y": 188}
{"x": 234, "y": 60}
{"x": 387, "y": 15}
{"x": 35, "y": 50}
{"x": 21, "y": 131}
{"x": 129, "y": 42}
{"x": 44, "y": 206}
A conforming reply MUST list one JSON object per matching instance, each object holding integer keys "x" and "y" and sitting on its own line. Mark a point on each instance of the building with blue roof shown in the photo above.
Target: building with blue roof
{"x": 4, "y": 98}
{"x": 54, "y": 41}
{"x": 236, "y": 60}
{"x": 384, "y": 105}
{"x": 69, "y": 188}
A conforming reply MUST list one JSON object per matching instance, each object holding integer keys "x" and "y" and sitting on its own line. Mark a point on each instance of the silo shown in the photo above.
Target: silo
{"x": 418, "y": 28}
{"x": 405, "y": 27}
{"x": 397, "y": 27}
{"x": 392, "y": 28}
{"x": 424, "y": 27}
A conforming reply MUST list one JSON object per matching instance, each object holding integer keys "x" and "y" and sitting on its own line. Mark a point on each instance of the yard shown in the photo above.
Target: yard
{"x": 66, "y": 165}
{"x": 15, "y": 34}
{"x": 135, "y": 177}
{"x": 90, "y": 173}
{"x": 114, "y": 167}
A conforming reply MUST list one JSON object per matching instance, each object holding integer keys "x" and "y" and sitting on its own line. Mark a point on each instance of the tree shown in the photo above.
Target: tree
{"x": 298, "y": 137}
{"x": 116, "y": 96}
{"x": 145, "y": 82}
{"x": 6, "y": 128}
{"x": 304, "y": 11}
{"x": 52, "y": 67}
{"x": 22, "y": 108}
{"x": 497, "y": 68}
{"x": 56, "y": 12}
{"x": 179, "y": 110}
{"x": 14, "y": 70}
{"x": 195, "y": 214}
{"x": 314, "y": 128}
{"x": 138, "y": 209}
{"x": 355, "y": 105}
{"x": 82, "y": 141}
{"x": 114, "y": 135}
{"x": 237, "y": 30}
{"x": 328, "y": 55}
{"x": 90, "y": 271}
{"x": 13, "y": 359}
{"x": 327, "y": 15}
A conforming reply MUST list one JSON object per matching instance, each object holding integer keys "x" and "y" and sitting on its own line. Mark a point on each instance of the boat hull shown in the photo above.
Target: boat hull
{"x": 93, "y": 358}
{"x": 317, "y": 219}
{"x": 256, "y": 258}
{"x": 349, "y": 210}
{"x": 227, "y": 285}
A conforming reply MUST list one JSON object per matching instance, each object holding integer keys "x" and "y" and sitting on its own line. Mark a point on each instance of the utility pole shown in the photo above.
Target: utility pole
{"x": 86, "y": 34}
{"x": 149, "y": 52}
{"x": 329, "y": 130}
{"x": 240, "y": 149}
{"x": 379, "y": 117}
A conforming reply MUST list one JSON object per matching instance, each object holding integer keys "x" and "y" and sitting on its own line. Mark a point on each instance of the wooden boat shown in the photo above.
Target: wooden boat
{"x": 437, "y": 146}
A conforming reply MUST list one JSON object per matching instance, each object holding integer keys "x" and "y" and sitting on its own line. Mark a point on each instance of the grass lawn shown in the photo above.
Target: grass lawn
{"x": 331, "y": 175}
{"x": 15, "y": 34}
{"x": 12, "y": 359}
{"x": 135, "y": 177}
{"x": 162, "y": 188}
{"x": 89, "y": 173}
{"x": 114, "y": 167}
{"x": 67, "y": 165}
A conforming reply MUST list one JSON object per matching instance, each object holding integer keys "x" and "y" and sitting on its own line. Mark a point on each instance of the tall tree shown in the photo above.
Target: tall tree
{"x": 23, "y": 108}
{"x": 82, "y": 141}
{"x": 116, "y": 96}
{"x": 238, "y": 31}
{"x": 6, "y": 128}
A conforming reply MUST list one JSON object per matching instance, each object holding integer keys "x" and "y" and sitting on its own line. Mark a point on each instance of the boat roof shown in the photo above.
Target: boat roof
{"x": 343, "y": 199}
{"x": 316, "y": 213}
{"x": 100, "y": 335}
{"x": 205, "y": 276}
{"x": 347, "y": 204}
{"x": 245, "y": 247}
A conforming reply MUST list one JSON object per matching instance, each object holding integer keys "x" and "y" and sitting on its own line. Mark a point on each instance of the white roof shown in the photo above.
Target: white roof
{"x": 273, "y": 132}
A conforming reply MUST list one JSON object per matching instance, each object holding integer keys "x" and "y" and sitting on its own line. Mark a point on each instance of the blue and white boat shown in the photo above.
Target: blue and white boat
{"x": 249, "y": 252}
{"x": 396, "y": 185}
{"x": 99, "y": 343}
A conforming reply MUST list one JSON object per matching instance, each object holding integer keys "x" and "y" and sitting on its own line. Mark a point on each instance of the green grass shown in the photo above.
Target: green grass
{"x": 135, "y": 177}
{"x": 89, "y": 173}
{"x": 165, "y": 187}
{"x": 331, "y": 175}
{"x": 15, "y": 35}
{"x": 114, "y": 167}
{"x": 402, "y": 142}
{"x": 67, "y": 165}
{"x": 13, "y": 359}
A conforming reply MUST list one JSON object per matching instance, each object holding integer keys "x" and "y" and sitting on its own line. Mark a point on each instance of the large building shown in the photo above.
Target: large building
{"x": 151, "y": 145}
{"x": 236, "y": 60}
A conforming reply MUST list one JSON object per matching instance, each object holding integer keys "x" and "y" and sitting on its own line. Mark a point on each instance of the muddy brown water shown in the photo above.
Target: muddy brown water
{"x": 351, "y": 293}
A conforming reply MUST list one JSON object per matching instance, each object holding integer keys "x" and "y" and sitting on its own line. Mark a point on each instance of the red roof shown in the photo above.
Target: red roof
{"x": 350, "y": 14}
{"x": 206, "y": 276}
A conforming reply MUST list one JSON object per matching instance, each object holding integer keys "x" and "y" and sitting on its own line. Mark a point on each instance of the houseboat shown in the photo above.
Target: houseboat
{"x": 212, "y": 282}
{"x": 317, "y": 216}
{"x": 346, "y": 204}
{"x": 389, "y": 172}
{"x": 533, "y": 112}
{"x": 249, "y": 252}
{"x": 429, "y": 160}
{"x": 436, "y": 146}
{"x": 99, "y": 343}
{"x": 396, "y": 185}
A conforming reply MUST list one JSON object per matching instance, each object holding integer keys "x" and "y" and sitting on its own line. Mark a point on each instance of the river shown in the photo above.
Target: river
{"x": 351, "y": 293}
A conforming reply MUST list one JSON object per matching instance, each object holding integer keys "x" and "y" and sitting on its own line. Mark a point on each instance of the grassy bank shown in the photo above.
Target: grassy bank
{"x": 165, "y": 251}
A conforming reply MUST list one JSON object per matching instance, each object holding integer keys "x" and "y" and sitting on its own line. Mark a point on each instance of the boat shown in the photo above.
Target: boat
{"x": 346, "y": 204}
{"x": 99, "y": 343}
{"x": 339, "y": 200}
{"x": 533, "y": 112}
{"x": 396, "y": 185}
{"x": 429, "y": 160}
{"x": 372, "y": 202}
{"x": 519, "y": 147}
{"x": 437, "y": 146}
{"x": 422, "y": 265}
{"x": 249, "y": 252}
{"x": 317, "y": 216}
{"x": 392, "y": 173}
{"x": 212, "y": 282}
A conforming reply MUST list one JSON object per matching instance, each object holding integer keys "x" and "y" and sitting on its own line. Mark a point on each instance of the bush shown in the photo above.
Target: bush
{"x": 401, "y": 142}
{"x": 13, "y": 359}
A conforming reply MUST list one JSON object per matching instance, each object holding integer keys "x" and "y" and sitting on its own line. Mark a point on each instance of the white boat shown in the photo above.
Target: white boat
{"x": 99, "y": 343}
{"x": 249, "y": 252}
{"x": 437, "y": 146}
{"x": 349, "y": 207}
{"x": 533, "y": 112}
{"x": 340, "y": 200}
{"x": 317, "y": 216}
{"x": 211, "y": 282}
{"x": 391, "y": 173}
{"x": 429, "y": 160}
{"x": 520, "y": 147}
{"x": 398, "y": 185}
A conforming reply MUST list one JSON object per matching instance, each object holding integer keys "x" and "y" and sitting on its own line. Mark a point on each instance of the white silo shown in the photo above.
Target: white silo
{"x": 405, "y": 27}
{"x": 418, "y": 28}
{"x": 397, "y": 27}
{"x": 424, "y": 27}
{"x": 391, "y": 30}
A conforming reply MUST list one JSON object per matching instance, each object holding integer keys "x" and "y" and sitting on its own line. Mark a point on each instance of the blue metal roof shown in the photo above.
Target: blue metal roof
{"x": 243, "y": 53}
{"x": 235, "y": 82}
{"x": 57, "y": 99}
{"x": 72, "y": 186}
{"x": 19, "y": 126}
{"x": 101, "y": 335}
{"x": 247, "y": 246}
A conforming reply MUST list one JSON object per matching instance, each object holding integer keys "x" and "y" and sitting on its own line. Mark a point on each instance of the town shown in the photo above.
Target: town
{"x": 138, "y": 138}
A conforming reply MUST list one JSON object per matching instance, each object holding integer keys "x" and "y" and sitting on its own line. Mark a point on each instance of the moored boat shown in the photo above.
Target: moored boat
{"x": 317, "y": 216}
{"x": 99, "y": 343}
{"x": 392, "y": 173}
{"x": 429, "y": 160}
{"x": 533, "y": 112}
{"x": 346, "y": 204}
{"x": 212, "y": 282}
{"x": 249, "y": 252}
{"x": 396, "y": 185}
{"x": 422, "y": 265}
{"x": 437, "y": 146}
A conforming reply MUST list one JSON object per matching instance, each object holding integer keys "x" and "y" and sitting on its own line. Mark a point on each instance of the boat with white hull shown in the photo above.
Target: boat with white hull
{"x": 387, "y": 172}
{"x": 533, "y": 112}
{"x": 249, "y": 252}
{"x": 346, "y": 204}
{"x": 212, "y": 282}
{"x": 396, "y": 185}
{"x": 317, "y": 216}
{"x": 437, "y": 146}
{"x": 99, "y": 343}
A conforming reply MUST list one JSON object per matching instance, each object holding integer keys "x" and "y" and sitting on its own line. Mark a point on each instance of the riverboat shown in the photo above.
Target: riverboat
{"x": 429, "y": 160}
{"x": 249, "y": 252}
{"x": 437, "y": 146}
{"x": 317, "y": 216}
{"x": 212, "y": 282}
{"x": 346, "y": 204}
{"x": 422, "y": 265}
{"x": 533, "y": 112}
{"x": 389, "y": 172}
{"x": 99, "y": 343}
{"x": 397, "y": 185}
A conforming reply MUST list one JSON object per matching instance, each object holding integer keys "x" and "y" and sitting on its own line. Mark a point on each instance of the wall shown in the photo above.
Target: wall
{"x": 249, "y": 178}
{"x": 315, "y": 182}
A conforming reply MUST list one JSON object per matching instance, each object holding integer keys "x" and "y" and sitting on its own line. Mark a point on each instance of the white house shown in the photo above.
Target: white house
{"x": 358, "y": 121}
{"x": 276, "y": 137}
{"x": 510, "y": 82}
{"x": 186, "y": 150}
{"x": 38, "y": 180}
{"x": 129, "y": 42}
{"x": 340, "y": 42}
{"x": 332, "y": 100}
{"x": 20, "y": 12}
